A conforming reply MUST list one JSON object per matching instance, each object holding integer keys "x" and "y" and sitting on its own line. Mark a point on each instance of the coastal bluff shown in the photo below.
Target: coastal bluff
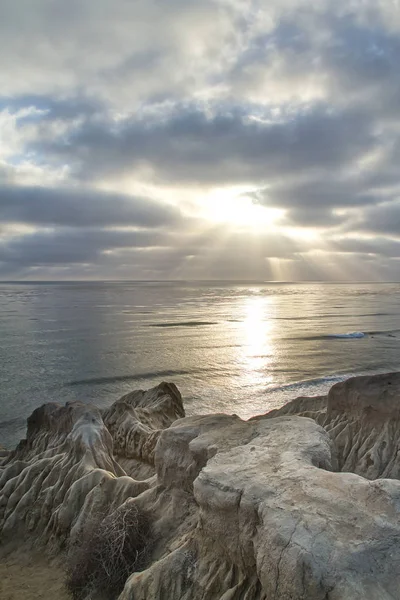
{"x": 140, "y": 502}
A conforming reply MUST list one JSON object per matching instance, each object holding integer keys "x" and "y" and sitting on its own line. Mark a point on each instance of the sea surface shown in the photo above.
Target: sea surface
{"x": 230, "y": 347}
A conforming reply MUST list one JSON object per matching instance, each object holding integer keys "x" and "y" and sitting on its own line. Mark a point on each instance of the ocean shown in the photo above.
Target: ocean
{"x": 242, "y": 348}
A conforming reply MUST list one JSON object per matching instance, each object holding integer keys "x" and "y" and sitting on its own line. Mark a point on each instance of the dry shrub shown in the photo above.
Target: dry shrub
{"x": 112, "y": 548}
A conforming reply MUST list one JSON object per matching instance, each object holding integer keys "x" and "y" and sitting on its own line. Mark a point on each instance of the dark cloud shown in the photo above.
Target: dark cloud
{"x": 81, "y": 208}
{"x": 315, "y": 201}
{"x": 69, "y": 246}
{"x": 188, "y": 146}
{"x": 381, "y": 219}
{"x": 380, "y": 246}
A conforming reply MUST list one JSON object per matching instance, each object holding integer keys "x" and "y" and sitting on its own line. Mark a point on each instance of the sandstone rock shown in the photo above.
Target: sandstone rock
{"x": 240, "y": 510}
{"x": 3, "y": 454}
{"x": 300, "y": 406}
{"x": 44, "y": 483}
{"x": 362, "y": 415}
{"x": 65, "y": 468}
{"x": 273, "y": 521}
{"x": 135, "y": 422}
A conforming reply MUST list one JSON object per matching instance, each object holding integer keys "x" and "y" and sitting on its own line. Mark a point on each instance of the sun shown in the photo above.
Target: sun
{"x": 239, "y": 211}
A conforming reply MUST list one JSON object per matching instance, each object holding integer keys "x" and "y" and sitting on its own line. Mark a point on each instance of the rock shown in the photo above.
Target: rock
{"x": 3, "y": 454}
{"x": 303, "y": 406}
{"x": 273, "y": 520}
{"x": 362, "y": 416}
{"x": 65, "y": 468}
{"x": 253, "y": 510}
{"x": 45, "y": 481}
{"x": 135, "y": 422}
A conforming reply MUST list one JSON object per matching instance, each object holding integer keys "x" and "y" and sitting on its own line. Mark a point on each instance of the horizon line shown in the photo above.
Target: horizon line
{"x": 237, "y": 281}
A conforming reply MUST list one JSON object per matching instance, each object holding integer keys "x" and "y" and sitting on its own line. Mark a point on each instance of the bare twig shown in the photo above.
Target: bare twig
{"x": 112, "y": 548}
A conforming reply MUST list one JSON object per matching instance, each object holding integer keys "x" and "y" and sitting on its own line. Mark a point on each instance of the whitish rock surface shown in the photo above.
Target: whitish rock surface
{"x": 239, "y": 510}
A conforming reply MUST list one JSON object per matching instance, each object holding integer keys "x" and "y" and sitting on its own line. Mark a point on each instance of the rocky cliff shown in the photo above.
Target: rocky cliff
{"x": 300, "y": 503}
{"x": 362, "y": 417}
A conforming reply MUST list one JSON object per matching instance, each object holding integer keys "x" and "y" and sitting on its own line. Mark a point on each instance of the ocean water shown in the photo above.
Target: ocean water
{"x": 230, "y": 347}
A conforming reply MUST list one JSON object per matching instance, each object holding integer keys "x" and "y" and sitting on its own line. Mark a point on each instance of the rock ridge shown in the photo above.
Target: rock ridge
{"x": 362, "y": 416}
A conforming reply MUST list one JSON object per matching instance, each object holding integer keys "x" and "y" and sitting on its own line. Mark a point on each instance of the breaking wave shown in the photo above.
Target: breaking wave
{"x": 353, "y": 334}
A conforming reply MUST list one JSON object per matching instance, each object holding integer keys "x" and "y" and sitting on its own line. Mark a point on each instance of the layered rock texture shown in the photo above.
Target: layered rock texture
{"x": 362, "y": 416}
{"x": 301, "y": 503}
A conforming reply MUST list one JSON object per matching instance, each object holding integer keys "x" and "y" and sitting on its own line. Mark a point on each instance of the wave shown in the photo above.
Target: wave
{"x": 184, "y": 324}
{"x": 137, "y": 376}
{"x": 323, "y": 384}
{"x": 353, "y": 334}
{"x": 391, "y": 333}
{"x": 119, "y": 378}
{"x": 362, "y": 334}
{"x": 307, "y": 387}
{"x": 13, "y": 423}
{"x": 385, "y": 332}
{"x": 332, "y": 336}
{"x": 333, "y": 316}
{"x": 308, "y": 383}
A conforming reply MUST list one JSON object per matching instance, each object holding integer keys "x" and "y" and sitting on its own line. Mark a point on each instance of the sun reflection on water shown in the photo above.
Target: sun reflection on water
{"x": 257, "y": 342}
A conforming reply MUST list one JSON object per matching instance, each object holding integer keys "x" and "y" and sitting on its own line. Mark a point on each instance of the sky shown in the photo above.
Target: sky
{"x": 200, "y": 139}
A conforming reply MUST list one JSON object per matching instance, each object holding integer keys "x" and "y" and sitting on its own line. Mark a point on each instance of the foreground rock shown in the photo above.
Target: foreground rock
{"x": 237, "y": 509}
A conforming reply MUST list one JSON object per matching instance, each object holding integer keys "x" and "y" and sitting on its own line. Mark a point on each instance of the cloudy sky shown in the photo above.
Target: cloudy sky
{"x": 200, "y": 139}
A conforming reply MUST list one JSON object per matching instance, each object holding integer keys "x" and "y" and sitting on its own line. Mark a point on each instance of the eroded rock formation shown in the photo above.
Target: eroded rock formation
{"x": 135, "y": 422}
{"x": 239, "y": 510}
{"x": 362, "y": 416}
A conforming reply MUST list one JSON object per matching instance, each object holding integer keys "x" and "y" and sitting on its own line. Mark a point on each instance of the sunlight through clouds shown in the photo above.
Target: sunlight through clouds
{"x": 237, "y": 140}
{"x": 239, "y": 211}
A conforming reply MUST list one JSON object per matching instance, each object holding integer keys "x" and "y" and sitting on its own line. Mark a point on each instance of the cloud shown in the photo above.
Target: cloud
{"x": 81, "y": 208}
{"x": 124, "y": 52}
{"x": 120, "y": 122}
{"x": 69, "y": 246}
{"x": 384, "y": 218}
{"x": 186, "y": 145}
